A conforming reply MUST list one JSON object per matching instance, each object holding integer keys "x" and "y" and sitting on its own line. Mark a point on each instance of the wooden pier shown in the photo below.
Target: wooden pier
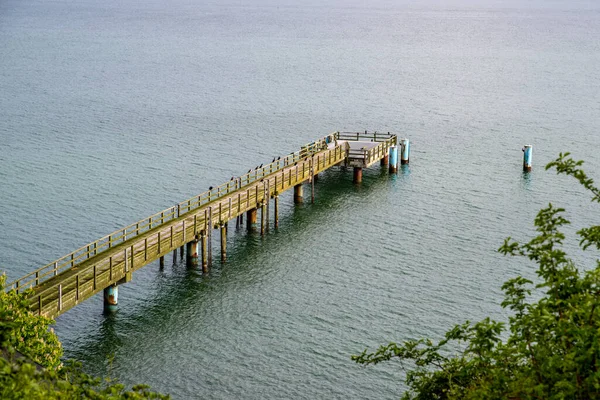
{"x": 111, "y": 260}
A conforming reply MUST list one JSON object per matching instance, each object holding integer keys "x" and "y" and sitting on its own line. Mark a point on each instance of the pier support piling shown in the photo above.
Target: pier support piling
{"x": 223, "y": 243}
{"x": 162, "y": 262}
{"x": 298, "y": 194}
{"x": 263, "y": 210}
{"x": 111, "y": 298}
{"x": 175, "y": 256}
{"x": 192, "y": 254}
{"x": 204, "y": 242}
{"x": 393, "y": 154}
{"x": 251, "y": 218}
{"x": 384, "y": 161}
{"x": 276, "y": 212}
{"x": 405, "y": 148}
{"x": 181, "y": 252}
{"x": 357, "y": 175}
{"x": 527, "y": 157}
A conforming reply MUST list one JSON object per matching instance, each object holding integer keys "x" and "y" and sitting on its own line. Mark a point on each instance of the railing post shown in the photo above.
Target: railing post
{"x": 179, "y": 210}
{"x": 77, "y": 287}
{"x": 55, "y": 268}
{"x": 40, "y": 304}
{"x": 94, "y": 276}
{"x": 110, "y": 268}
{"x": 37, "y": 278}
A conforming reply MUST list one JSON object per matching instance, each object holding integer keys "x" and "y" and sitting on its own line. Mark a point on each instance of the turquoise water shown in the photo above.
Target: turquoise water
{"x": 111, "y": 111}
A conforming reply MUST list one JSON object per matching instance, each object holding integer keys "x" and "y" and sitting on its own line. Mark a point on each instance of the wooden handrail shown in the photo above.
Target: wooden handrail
{"x": 34, "y": 278}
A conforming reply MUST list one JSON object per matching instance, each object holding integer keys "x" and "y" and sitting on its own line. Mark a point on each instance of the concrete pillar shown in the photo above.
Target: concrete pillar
{"x": 384, "y": 161}
{"x": 192, "y": 254}
{"x": 298, "y": 194}
{"x": 204, "y": 241}
{"x": 251, "y": 218}
{"x": 393, "y": 154}
{"x": 223, "y": 243}
{"x": 111, "y": 298}
{"x": 405, "y": 156}
{"x": 527, "y": 157}
{"x": 357, "y": 175}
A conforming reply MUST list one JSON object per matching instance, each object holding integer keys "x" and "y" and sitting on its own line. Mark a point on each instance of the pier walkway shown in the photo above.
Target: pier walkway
{"x": 111, "y": 260}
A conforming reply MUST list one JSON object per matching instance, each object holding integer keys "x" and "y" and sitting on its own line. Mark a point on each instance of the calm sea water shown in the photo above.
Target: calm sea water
{"x": 113, "y": 110}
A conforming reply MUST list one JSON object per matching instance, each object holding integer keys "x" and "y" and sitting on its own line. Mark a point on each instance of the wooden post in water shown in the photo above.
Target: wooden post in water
{"x": 357, "y": 175}
{"x": 111, "y": 298}
{"x": 527, "y": 158}
{"x": 393, "y": 154}
{"x": 162, "y": 262}
{"x": 223, "y": 242}
{"x": 175, "y": 256}
{"x": 405, "y": 157}
{"x": 204, "y": 251}
{"x": 276, "y": 210}
{"x": 263, "y": 208}
{"x": 298, "y": 194}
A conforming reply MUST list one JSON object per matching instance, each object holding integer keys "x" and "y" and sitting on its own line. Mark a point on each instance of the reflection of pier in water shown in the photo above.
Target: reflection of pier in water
{"x": 105, "y": 263}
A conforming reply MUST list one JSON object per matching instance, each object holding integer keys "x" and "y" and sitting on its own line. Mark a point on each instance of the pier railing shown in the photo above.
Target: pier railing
{"x": 154, "y": 221}
{"x": 54, "y": 297}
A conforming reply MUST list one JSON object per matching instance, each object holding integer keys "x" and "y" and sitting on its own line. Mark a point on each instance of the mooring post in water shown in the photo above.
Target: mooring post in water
{"x": 405, "y": 148}
{"x": 251, "y": 218}
{"x": 298, "y": 194}
{"x": 527, "y": 157}
{"x": 204, "y": 246}
{"x": 223, "y": 242}
{"x": 393, "y": 154}
{"x": 192, "y": 254}
{"x": 111, "y": 298}
{"x": 357, "y": 175}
